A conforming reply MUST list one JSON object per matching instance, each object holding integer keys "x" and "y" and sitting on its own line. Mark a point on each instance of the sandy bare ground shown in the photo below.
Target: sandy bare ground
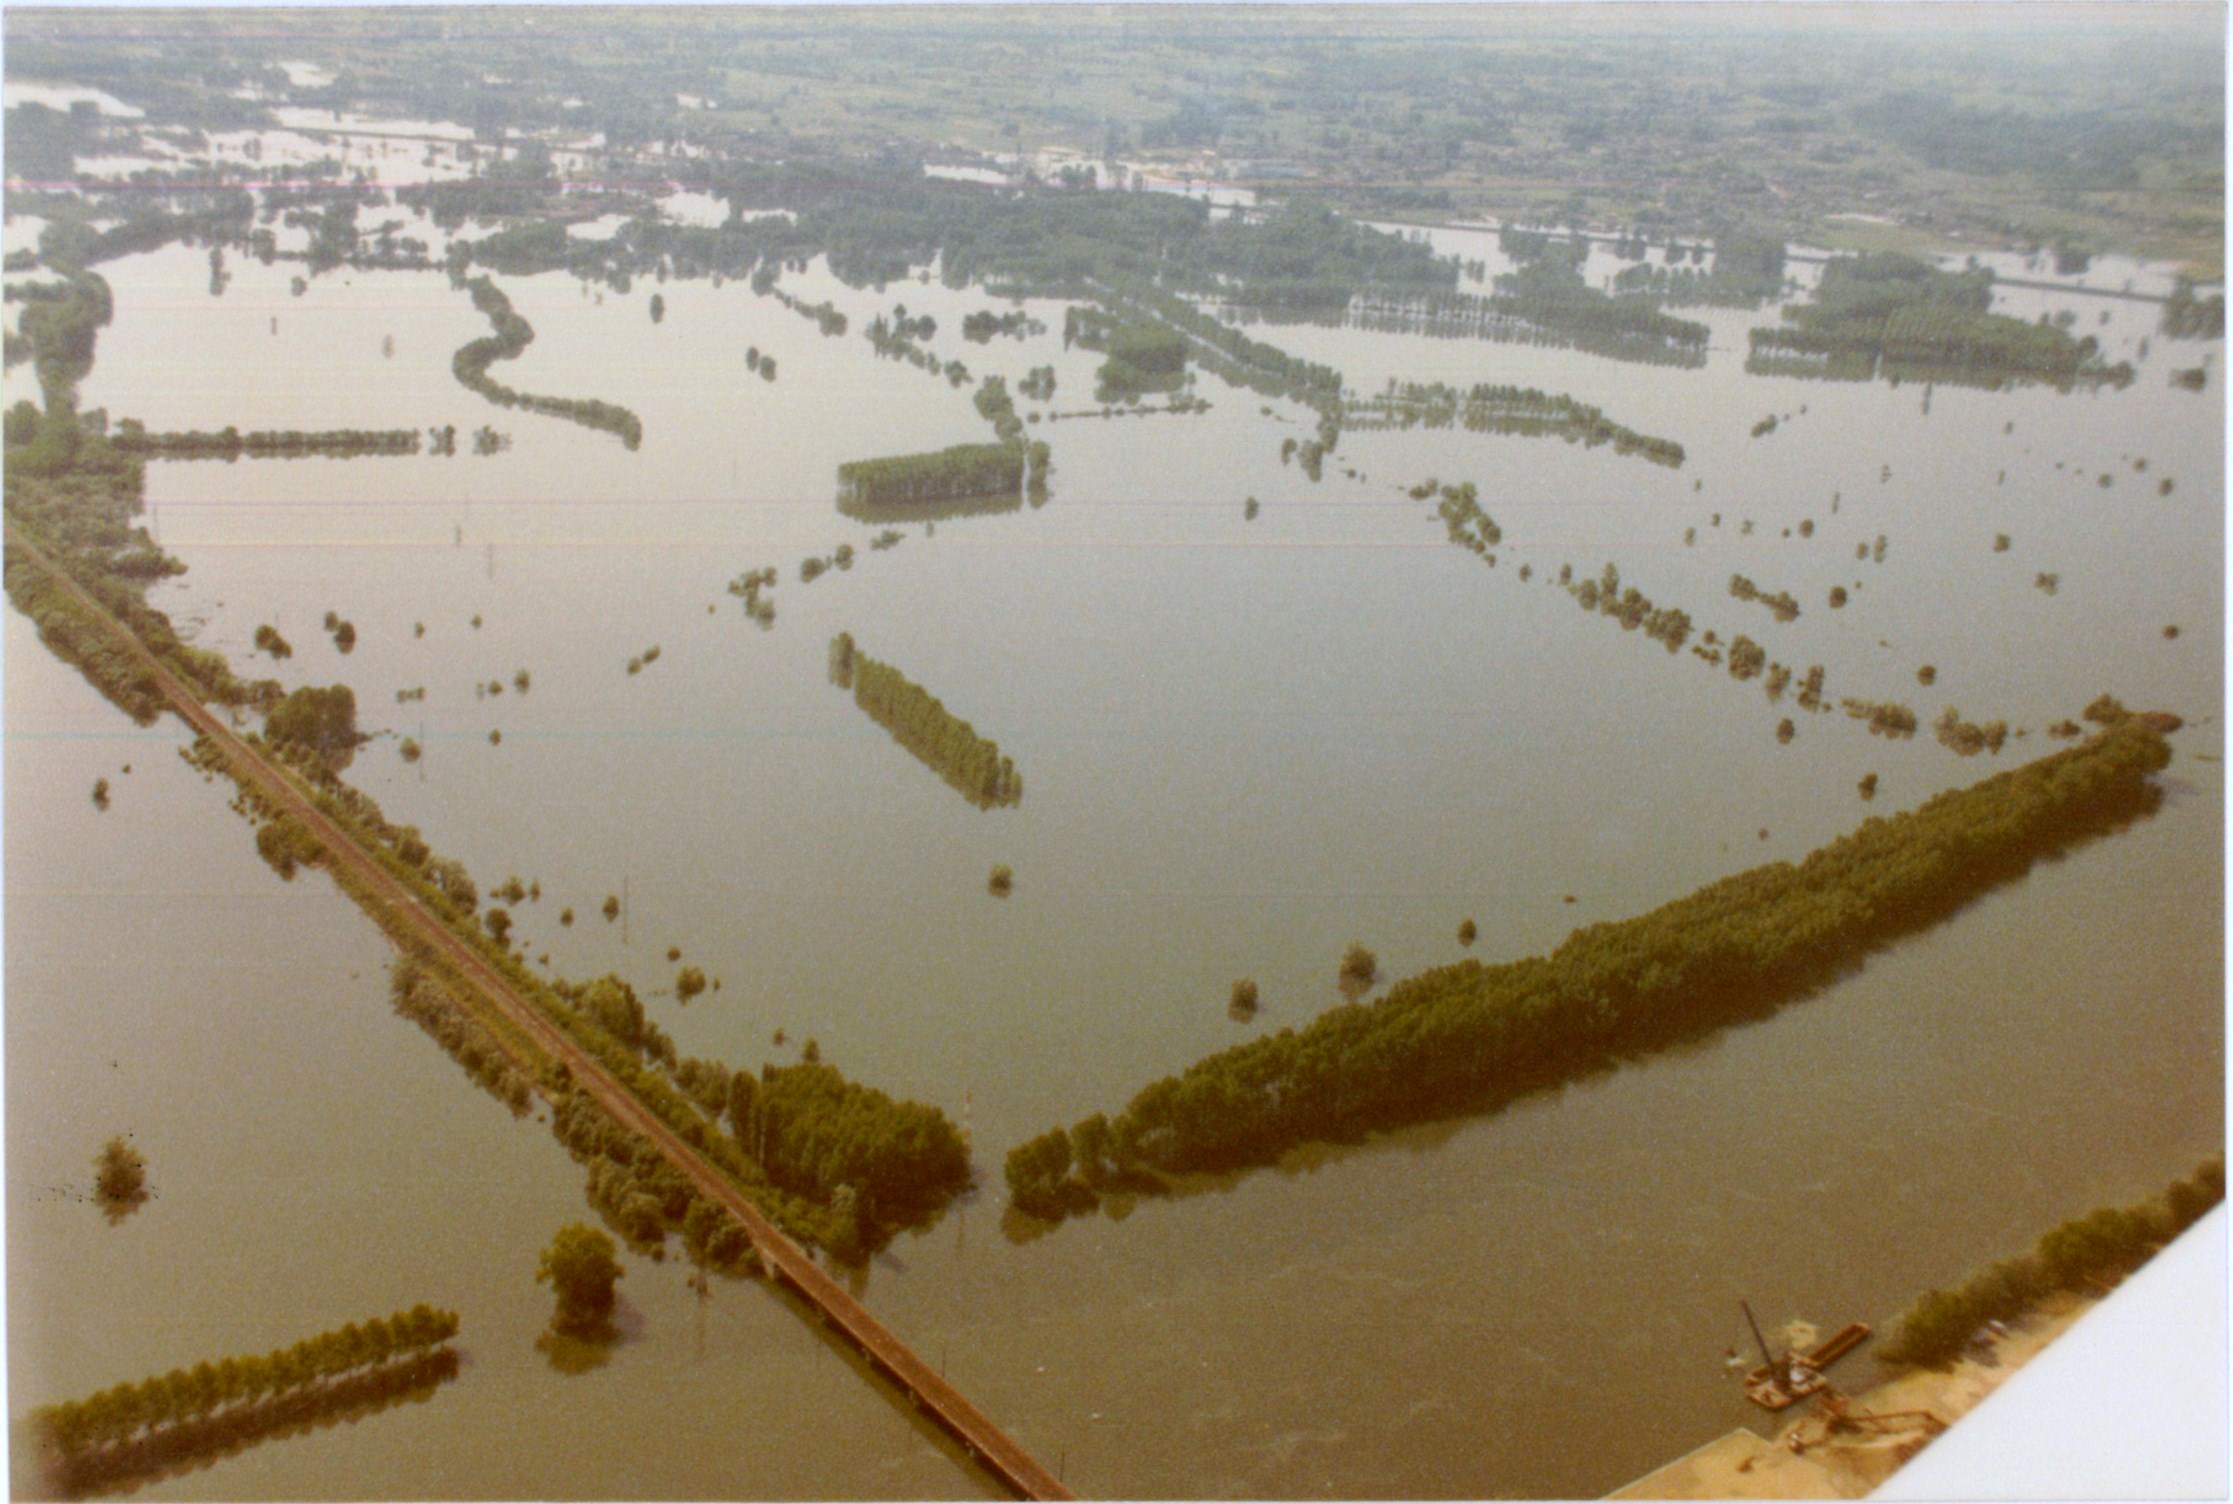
{"x": 1849, "y": 1464}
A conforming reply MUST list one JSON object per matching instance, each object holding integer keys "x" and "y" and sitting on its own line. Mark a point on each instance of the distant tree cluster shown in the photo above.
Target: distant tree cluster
{"x": 1967, "y": 738}
{"x": 2186, "y": 316}
{"x": 1667, "y": 625}
{"x": 1884, "y": 717}
{"x": 581, "y": 1270}
{"x": 983, "y": 326}
{"x": 1459, "y": 506}
{"x": 1781, "y": 604}
{"x": 1881, "y": 313}
{"x": 119, "y": 1175}
{"x": 748, "y": 586}
{"x": 1143, "y": 354}
{"x": 1487, "y": 408}
{"x": 1747, "y": 272}
{"x": 318, "y": 720}
{"x": 996, "y": 407}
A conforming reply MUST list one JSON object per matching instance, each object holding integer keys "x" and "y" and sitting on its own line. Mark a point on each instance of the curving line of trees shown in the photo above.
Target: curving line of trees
{"x": 513, "y": 334}
{"x": 1456, "y": 1038}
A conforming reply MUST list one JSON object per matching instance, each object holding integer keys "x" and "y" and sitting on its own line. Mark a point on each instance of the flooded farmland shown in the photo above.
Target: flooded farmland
{"x": 1246, "y": 741}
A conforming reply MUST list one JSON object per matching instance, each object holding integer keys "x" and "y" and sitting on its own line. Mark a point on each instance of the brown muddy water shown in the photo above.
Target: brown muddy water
{"x": 1244, "y": 744}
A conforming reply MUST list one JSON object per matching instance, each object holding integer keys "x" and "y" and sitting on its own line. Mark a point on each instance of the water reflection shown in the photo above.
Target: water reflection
{"x": 952, "y": 509}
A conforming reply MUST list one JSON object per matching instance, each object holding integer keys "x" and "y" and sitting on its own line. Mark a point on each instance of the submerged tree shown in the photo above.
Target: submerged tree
{"x": 580, "y": 1269}
{"x": 120, "y": 1176}
{"x": 1359, "y": 967}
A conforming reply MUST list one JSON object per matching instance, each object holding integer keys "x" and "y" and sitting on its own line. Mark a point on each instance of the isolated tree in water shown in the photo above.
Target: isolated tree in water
{"x": 580, "y": 1269}
{"x": 120, "y": 1175}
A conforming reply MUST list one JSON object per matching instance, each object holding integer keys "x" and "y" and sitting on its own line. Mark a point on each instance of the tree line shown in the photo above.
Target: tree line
{"x": 963, "y": 470}
{"x": 983, "y": 326}
{"x": 1456, "y": 1038}
{"x": 1781, "y": 604}
{"x": 319, "y": 720}
{"x": 942, "y": 741}
{"x": 513, "y": 334}
{"x": 2085, "y": 1254}
{"x": 230, "y": 443}
{"x": 1667, "y": 625}
{"x": 1546, "y": 303}
{"x": 118, "y": 1414}
{"x": 1503, "y": 409}
{"x": 1747, "y": 271}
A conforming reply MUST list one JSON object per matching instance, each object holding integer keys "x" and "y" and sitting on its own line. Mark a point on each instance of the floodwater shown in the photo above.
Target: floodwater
{"x": 1244, "y": 744}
